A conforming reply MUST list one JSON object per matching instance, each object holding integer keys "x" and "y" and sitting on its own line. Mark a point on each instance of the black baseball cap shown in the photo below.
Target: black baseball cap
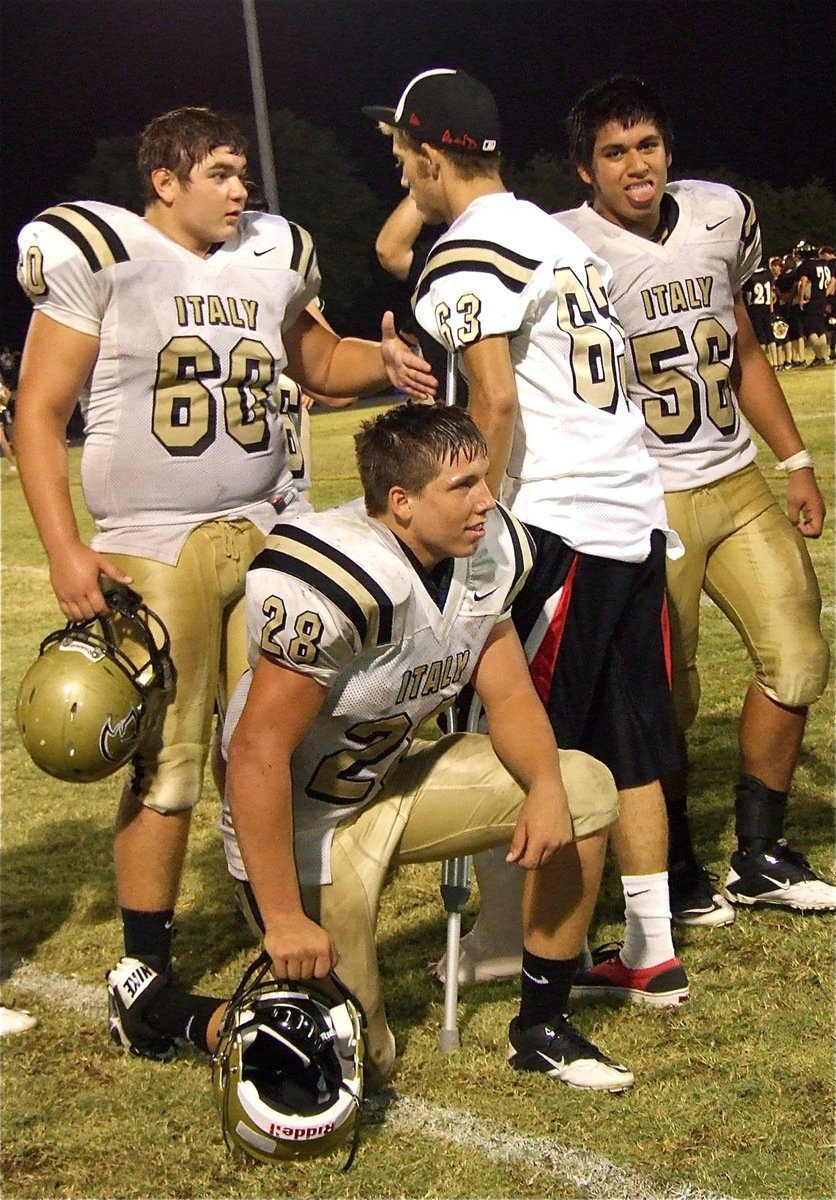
{"x": 448, "y": 109}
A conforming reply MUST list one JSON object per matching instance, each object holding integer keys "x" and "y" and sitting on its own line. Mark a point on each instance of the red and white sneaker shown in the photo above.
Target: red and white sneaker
{"x": 661, "y": 986}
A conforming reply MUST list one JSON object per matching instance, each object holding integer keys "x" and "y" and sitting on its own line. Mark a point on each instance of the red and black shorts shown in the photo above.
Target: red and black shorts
{"x": 595, "y": 632}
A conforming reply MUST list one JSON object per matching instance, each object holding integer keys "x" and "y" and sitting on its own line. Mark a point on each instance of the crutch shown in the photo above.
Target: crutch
{"x": 455, "y": 872}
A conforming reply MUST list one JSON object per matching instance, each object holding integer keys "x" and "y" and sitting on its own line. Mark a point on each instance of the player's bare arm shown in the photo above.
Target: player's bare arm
{"x": 280, "y": 709}
{"x": 765, "y": 408}
{"x": 493, "y": 400}
{"x": 331, "y": 366}
{"x": 56, "y": 362}
{"x": 308, "y": 398}
{"x": 397, "y": 237}
{"x": 522, "y": 737}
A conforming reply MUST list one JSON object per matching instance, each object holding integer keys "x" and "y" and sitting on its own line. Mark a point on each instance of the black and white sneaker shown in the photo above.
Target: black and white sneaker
{"x": 560, "y": 1051}
{"x": 781, "y": 877}
{"x": 130, "y": 986}
{"x": 694, "y": 900}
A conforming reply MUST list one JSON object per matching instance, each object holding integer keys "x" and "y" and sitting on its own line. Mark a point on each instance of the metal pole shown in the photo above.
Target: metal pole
{"x": 455, "y": 872}
{"x": 262, "y": 122}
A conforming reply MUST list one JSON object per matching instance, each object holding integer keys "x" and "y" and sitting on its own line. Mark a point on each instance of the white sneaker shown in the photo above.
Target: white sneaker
{"x": 693, "y": 898}
{"x": 781, "y": 877}
{"x": 480, "y": 962}
{"x": 562, "y": 1052}
{"x": 15, "y": 1020}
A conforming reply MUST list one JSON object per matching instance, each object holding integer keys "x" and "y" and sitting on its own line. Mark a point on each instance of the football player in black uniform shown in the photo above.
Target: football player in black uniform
{"x": 814, "y": 276}
{"x": 758, "y": 297}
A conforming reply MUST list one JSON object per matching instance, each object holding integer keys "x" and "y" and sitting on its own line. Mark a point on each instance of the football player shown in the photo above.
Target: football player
{"x": 524, "y": 303}
{"x": 788, "y": 293}
{"x": 758, "y": 298}
{"x": 172, "y": 329}
{"x": 680, "y": 255}
{"x": 814, "y": 276}
{"x": 363, "y": 625}
{"x": 780, "y": 325}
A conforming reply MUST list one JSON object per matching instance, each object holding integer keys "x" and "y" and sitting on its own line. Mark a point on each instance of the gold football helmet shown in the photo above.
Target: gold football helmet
{"x": 288, "y": 1073}
{"x": 95, "y": 690}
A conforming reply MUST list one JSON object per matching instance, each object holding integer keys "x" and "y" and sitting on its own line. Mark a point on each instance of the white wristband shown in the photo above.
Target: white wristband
{"x": 795, "y": 462}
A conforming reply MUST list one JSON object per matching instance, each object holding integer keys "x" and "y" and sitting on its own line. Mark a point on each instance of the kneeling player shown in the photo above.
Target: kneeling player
{"x": 362, "y": 626}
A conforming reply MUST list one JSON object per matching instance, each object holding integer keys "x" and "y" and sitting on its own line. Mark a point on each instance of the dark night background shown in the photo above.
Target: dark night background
{"x": 749, "y": 85}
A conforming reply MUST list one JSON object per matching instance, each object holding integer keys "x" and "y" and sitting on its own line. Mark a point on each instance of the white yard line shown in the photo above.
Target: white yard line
{"x": 555, "y": 1161}
{"x": 58, "y": 990}
{"x": 603, "y": 1179}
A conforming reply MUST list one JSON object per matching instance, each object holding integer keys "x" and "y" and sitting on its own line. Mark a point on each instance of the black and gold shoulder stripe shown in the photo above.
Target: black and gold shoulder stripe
{"x": 749, "y": 231}
{"x": 98, "y": 242}
{"x": 513, "y": 270}
{"x": 360, "y": 598}
{"x": 668, "y": 218}
{"x": 523, "y": 546}
{"x": 302, "y": 255}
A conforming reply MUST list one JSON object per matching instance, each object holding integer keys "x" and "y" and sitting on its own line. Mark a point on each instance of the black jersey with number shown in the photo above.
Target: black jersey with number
{"x": 758, "y": 290}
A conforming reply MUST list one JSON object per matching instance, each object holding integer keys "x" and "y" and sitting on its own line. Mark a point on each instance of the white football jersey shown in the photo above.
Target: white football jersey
{"x": 373, "y": 636}
{"x": 675, "y": 301}
{"x": 578, "y": 465}
{"x": 182, "y": 412}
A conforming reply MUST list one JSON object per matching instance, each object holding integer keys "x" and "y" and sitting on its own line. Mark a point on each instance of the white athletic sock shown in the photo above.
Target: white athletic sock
{"x": 647, "y": 920}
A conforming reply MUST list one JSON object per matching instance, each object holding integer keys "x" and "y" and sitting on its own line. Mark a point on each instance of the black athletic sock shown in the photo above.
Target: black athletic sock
{"x": 180, "y": 1014}
{"x": 148, "y": 936}
{"x": 544, "y": 988}
{"x": 680, "y": 846}
{"x": 759, "y": 814}
{"x": 675, "y": 790}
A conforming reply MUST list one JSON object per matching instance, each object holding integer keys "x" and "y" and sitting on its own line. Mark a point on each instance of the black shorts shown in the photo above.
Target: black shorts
{"x": 813, "y": 319}
{"x": 761, "y": 319}
{"x": 793, "y": 319}
{"x": 595, "y": 633}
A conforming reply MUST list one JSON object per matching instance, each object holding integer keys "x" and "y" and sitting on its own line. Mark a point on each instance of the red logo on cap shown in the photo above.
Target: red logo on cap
{"x": 414, "y": 119}
{"x": 464, "y": 139}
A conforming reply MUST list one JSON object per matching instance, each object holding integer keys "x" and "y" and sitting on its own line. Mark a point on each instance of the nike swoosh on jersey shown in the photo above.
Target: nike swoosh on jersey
{"x": 259, "y": 253}
{"x": 717, "y": 224}
{"x": 477, "y": 597}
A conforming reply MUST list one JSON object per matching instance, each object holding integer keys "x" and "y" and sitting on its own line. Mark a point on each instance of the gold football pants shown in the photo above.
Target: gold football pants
{"x": 444, "y": 799}
{"x": 201, "y": 602}
{"x": 741, "y": 549}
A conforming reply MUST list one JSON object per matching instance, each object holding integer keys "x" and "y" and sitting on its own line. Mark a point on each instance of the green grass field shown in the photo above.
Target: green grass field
{"x": 734, "y": 1093}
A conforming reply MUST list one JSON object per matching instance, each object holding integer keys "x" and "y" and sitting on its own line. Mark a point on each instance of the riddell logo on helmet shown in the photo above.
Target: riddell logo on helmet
{"x": 289, "y": 1134}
